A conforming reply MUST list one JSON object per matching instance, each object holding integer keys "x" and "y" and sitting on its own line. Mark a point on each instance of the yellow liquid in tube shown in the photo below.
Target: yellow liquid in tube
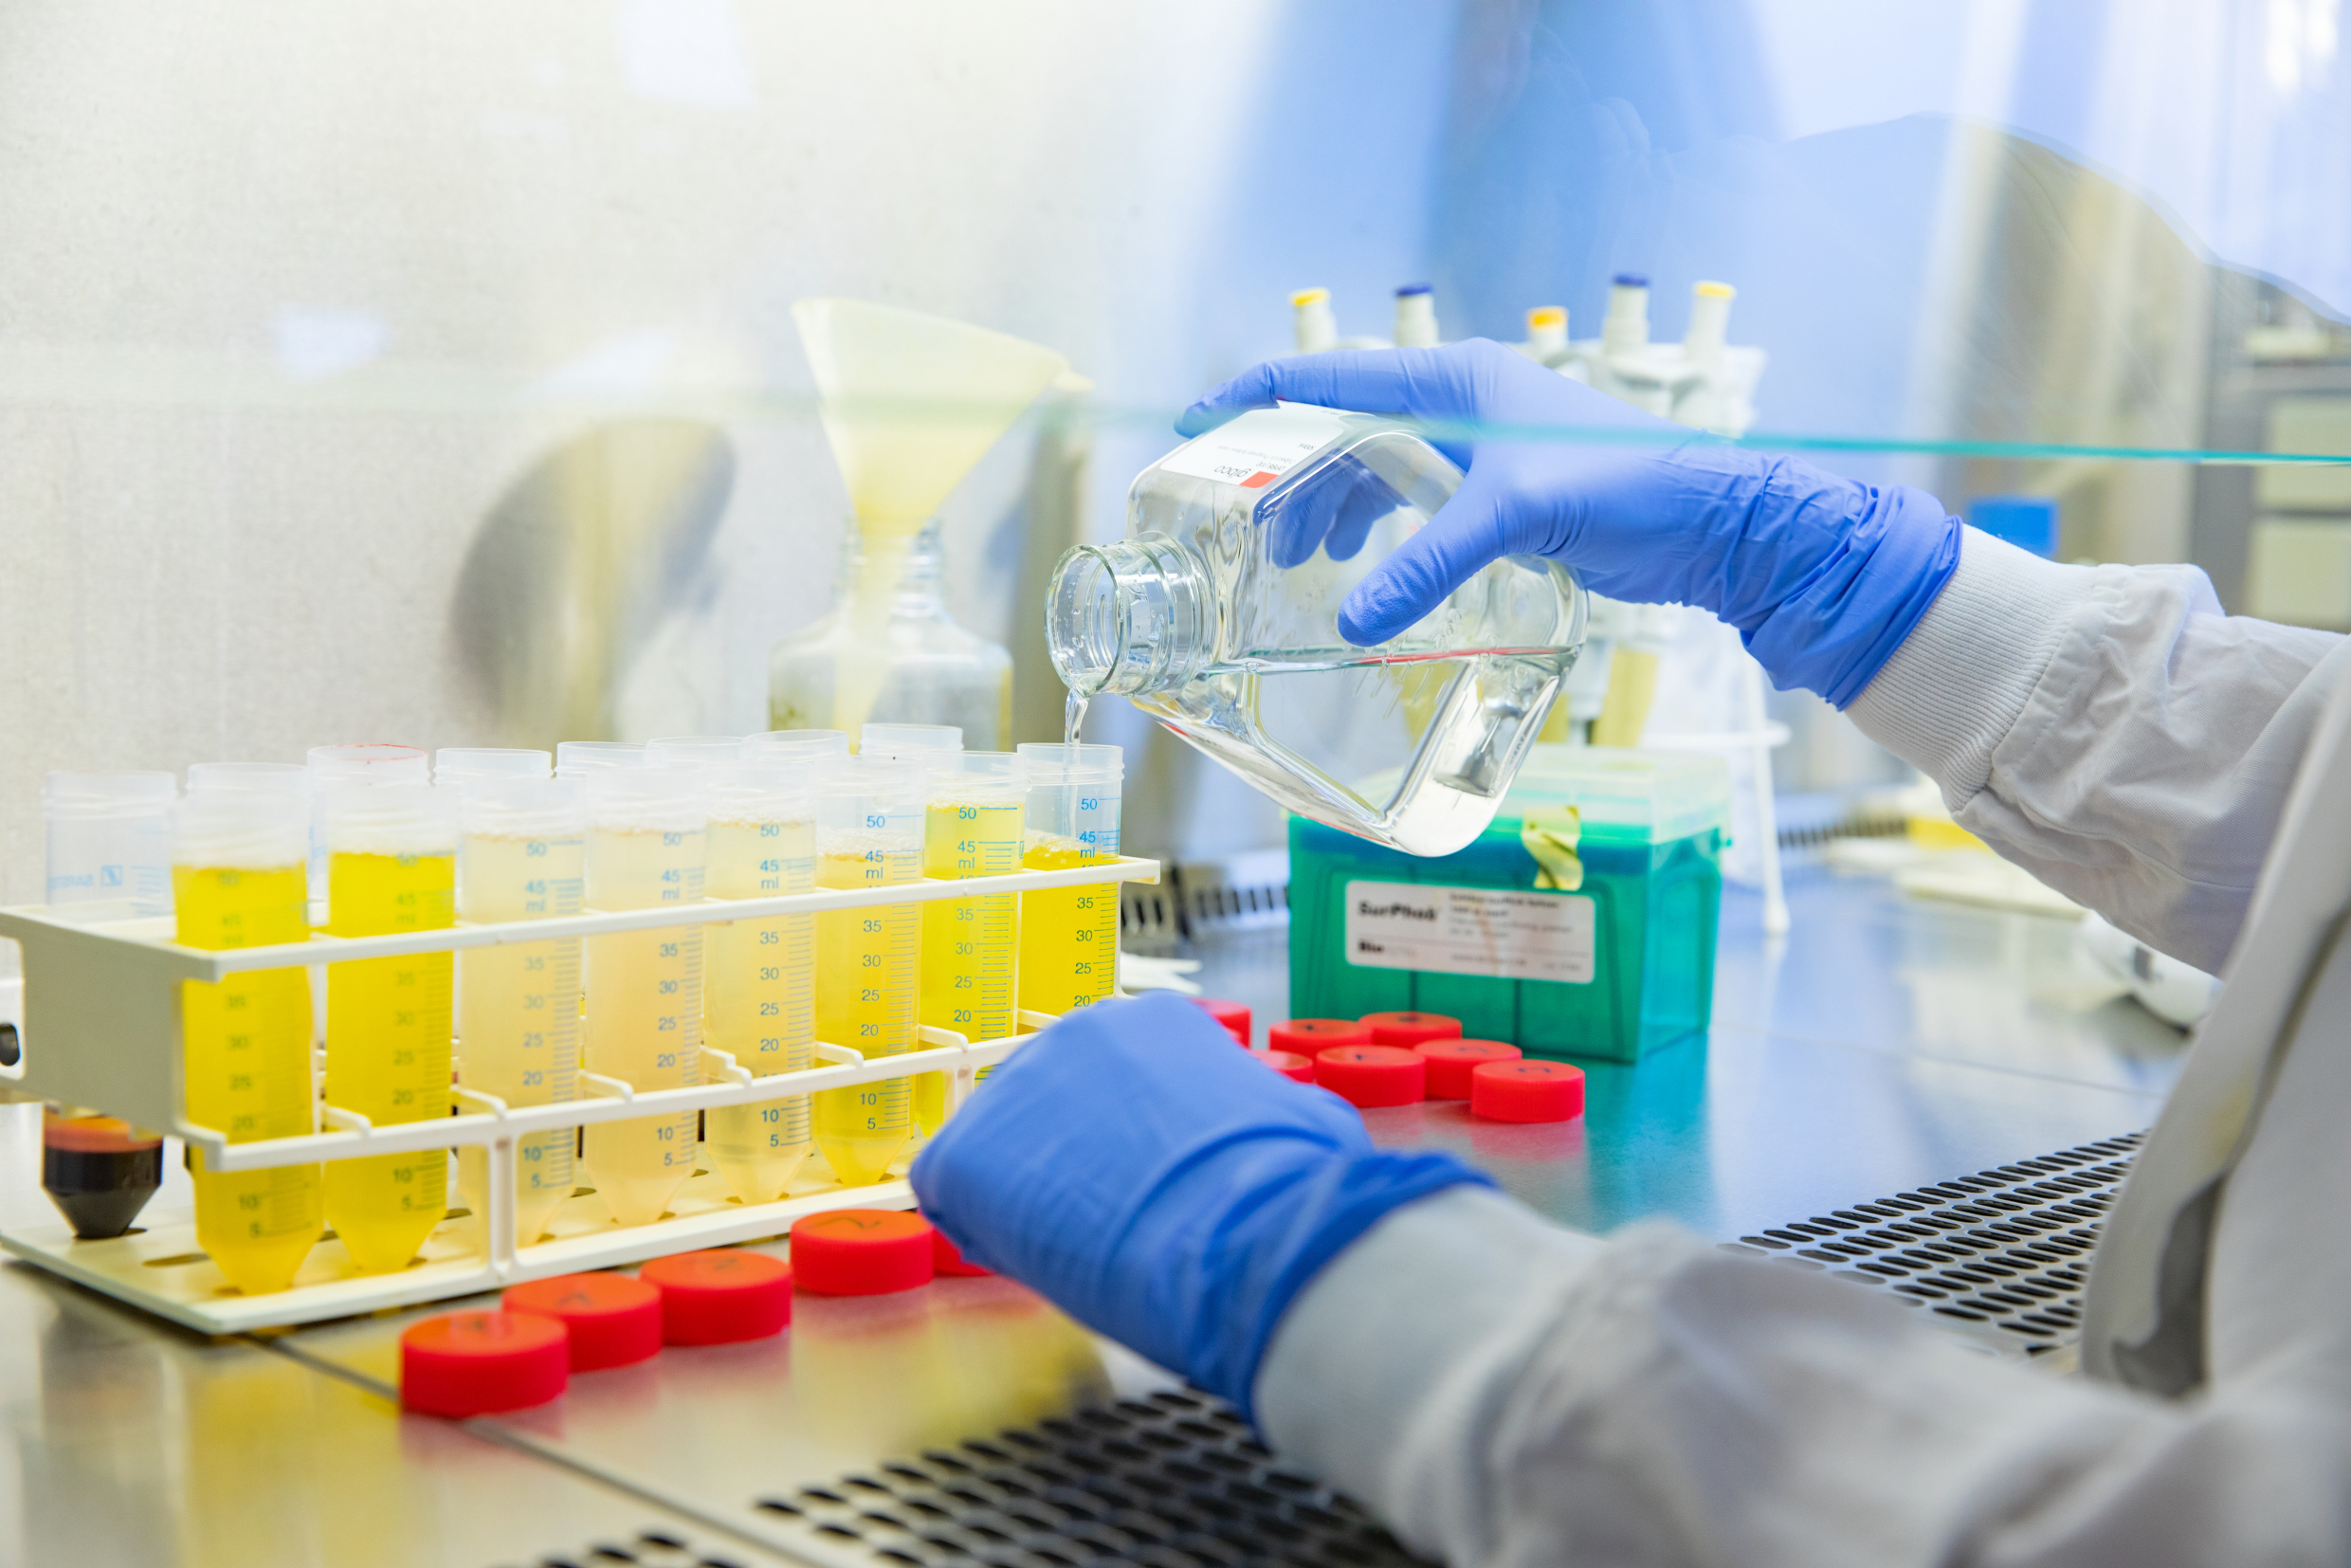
{"x": 645, "y": 1014}
{"x": 866, "y": 975}
{"x": 519, "y": 1013}
{"x": 1069, "y": 935}
{"x": 761, "y": 1003}
{"x": 387, "y": 1050}
{"x": 968, "y": 949}
{"x": 247, "y": 1068}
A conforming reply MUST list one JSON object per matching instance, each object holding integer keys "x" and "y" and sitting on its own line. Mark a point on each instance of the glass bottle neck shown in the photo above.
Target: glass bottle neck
{"x": 1129, "y": 618}
{"x": 908, "y": 569}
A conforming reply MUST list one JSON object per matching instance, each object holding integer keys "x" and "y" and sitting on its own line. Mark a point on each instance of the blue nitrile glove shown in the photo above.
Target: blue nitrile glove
{"x": 1823, "y": 576}
{"x": 1132, "y": 1164}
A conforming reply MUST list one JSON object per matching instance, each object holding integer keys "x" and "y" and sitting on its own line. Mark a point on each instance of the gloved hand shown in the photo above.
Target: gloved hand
{"x": 1135, "y": 1167}
{"x": 1823, "y": 576}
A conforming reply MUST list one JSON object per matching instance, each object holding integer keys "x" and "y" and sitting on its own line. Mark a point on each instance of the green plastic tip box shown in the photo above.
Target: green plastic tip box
{"x": 1584, "y": 933}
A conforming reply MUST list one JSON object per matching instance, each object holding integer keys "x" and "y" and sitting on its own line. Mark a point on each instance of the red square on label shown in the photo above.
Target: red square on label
{"x": 1258, "y": 481}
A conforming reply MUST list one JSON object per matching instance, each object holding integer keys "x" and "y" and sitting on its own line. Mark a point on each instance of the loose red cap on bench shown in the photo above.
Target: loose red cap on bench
{"x": 1526, "y": 1091}
{"x": 1373, "y": 1075}
{"x": 1451, "y": 1061}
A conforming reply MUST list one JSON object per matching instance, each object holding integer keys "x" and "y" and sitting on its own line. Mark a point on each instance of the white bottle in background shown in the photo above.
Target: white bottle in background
{"x": 1416, "y": 318}
{"x": 1316, "y": 328}
{"x": 1626, "y": 329}
{"x": 1546, "y": 336}
{"x": 1709, "y": 325}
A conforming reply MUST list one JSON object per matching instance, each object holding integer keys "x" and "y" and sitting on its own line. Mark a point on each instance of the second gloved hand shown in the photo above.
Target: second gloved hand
{"x": 1822, "y": 575}
{"x": 1135, "y": 1167}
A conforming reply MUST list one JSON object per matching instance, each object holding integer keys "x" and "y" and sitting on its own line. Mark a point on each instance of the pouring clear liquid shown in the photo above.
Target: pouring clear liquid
{"x": 1219, "y": 616}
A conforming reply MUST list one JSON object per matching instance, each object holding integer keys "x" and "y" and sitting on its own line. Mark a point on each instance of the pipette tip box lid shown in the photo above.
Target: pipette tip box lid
{"x": 1611, "y": 961}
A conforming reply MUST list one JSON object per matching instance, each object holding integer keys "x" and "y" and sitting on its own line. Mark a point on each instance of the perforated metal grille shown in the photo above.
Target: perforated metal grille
{"x": 1176, "y": 1481}
{"x": 2005, "y": 1250}
{"x": 1197, "y": 900}
{"x": 667, "y": 1547}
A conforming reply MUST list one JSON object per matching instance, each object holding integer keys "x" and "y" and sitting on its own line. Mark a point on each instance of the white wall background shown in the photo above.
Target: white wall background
{"x": 290, "y": 295}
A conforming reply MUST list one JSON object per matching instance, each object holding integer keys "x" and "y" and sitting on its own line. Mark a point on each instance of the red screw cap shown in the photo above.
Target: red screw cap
{"x": 1450, "y": 1061}
{"x": 862, "y": 1251}
{"x": 1297, "y": 1068}
{"x": 613, "y": 1319}
{"x": 1373, "y": 1075}
{"x": 1526, "y": 1091}
{"x": 719, "y": 1297}
{"x": 1410, "y": 1028}
{"x": 1309, "y": 1037}
{"x": 478, "y": 1363}
{"x": 946, "y": 1258}
{"x": 1233, "y": 1015}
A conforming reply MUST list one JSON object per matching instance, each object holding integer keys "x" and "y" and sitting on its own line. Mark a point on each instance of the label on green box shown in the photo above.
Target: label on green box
{"x": 1502, "y": 933}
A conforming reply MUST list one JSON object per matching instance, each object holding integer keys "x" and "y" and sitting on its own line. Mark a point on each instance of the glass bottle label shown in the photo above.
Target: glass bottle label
{"x": 1257, "y": 449}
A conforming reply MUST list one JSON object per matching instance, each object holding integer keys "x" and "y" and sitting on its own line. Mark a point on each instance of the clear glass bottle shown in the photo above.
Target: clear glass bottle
{"x": 1219, "y": 616}
{"x": 888, "y": 651}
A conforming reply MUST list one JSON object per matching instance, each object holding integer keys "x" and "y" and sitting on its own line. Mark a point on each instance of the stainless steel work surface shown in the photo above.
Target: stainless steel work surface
{"x": 854, "y": 1381}
{"x": 1885, "y": 1043}
{"x": 134, "y": 1442}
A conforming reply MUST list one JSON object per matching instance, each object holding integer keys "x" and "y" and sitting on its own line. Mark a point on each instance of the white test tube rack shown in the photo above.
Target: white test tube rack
{"x": 101, "y": 1027}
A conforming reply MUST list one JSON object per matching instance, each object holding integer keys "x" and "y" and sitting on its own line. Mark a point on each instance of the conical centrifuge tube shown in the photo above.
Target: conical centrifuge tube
{"x": 908, "y": 742}
{"x": 1069, "y": 935}
{"x": 332, "y": 767}
{"x": 971, "y": 828}
{"x": 239, "y": 879}
{"x": 578, "y": 758}
{"x": 109, "y": 841}
{"x": 644, "y": 988}
{"x": 522, "y": 856}
{"x": 760, "y": 1002}
{"x": 868, "y": 834}
{"x": 694, "y": 751}
{"x": 809, "y": 747}
{"x": 462, "y": 770}
{"x": 391, "y": 867}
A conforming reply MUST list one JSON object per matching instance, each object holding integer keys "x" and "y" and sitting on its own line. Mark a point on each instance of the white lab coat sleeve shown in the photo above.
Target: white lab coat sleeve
{"x": 1508, "y": 1394}
{"x": 2109, "y": 729}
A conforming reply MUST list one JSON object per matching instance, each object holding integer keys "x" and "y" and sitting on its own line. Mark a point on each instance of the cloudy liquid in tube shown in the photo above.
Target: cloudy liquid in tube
{"x": 644, "y": 1002}
{"x": 519, "y": 1008}
{"x": 866, "y": 999}
{"x": 968, "y": 948}
{"x": 761, "y": 1001}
